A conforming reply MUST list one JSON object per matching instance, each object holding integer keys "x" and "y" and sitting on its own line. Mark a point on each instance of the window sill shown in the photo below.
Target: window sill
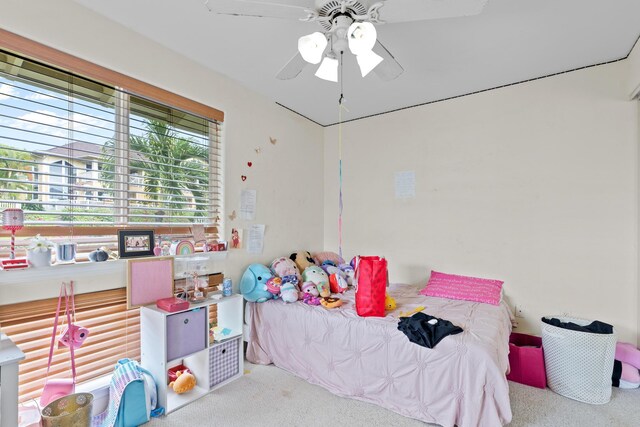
{"x": 33, "y": 284}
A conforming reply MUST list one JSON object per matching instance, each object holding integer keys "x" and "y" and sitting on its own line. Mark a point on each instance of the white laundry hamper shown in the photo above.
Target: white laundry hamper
{"x": 579, "y": 364}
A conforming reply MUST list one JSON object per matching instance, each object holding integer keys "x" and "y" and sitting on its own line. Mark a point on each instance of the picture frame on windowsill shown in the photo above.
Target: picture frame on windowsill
{"x": 135, "y": 243}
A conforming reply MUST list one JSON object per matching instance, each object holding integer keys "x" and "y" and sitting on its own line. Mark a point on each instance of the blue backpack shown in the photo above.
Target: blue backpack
{"x": 137, "y": 402}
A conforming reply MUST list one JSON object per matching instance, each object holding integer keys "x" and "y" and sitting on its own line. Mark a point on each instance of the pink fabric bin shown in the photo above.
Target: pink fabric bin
{"x": 526, "y": 360}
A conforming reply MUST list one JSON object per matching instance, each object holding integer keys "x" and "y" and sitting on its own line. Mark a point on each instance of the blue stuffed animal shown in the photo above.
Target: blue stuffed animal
{"x": 253, "y": 284}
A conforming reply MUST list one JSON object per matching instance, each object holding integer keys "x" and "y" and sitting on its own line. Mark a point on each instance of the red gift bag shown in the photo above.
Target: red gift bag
{"x": 370, "y": 280}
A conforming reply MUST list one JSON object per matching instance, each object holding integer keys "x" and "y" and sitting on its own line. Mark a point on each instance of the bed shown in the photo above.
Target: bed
{"x": 459, "y": 382}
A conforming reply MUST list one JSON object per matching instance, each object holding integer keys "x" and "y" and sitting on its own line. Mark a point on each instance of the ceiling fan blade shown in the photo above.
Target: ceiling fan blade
{"x": 287, "y": 9}
{"x": 389, "y": 68}
{"x": 292, "y": 68}
{"x": 418, "y": 10}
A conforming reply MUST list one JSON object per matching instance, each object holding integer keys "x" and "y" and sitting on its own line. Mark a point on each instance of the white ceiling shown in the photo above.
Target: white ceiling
{"x": 509, "y": 42}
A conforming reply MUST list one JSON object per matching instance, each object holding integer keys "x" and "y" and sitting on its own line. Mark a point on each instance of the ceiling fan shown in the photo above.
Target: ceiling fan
{"x": 347, "y": 25}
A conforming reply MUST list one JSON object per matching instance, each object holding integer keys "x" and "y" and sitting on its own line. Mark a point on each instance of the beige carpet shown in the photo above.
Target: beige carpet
{"x": 269, "y": 396}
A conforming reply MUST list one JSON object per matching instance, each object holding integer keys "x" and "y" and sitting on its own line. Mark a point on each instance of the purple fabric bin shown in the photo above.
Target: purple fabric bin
{"x": 526, "y": 360}
{"x": 186, "y": 333}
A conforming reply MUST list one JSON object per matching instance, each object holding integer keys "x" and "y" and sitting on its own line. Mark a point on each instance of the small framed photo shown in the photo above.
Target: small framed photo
{"x": 135, "y": 243}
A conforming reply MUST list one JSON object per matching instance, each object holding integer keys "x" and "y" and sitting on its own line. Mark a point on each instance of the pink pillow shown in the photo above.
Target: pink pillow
{"x": 466, "y": 288}
{"x": 321, "y": 257}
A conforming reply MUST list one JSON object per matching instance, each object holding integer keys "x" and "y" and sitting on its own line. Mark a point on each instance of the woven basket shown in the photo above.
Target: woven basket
{"x": 73, "y": 410}
{"x": 579, "y": 364}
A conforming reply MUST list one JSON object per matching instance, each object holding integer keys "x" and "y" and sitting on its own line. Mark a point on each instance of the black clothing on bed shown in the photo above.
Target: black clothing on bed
{"x": 617, "y": 373}
{"x": 426, "y": 330}
{"x": 596, "y": 327}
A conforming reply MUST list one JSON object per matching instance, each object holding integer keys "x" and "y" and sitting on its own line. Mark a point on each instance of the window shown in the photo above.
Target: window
{"x": 60, "y": 179}
{"x": 64, "y": 138}
{"x": 114, "y": 333}
{"x": 69, "y": 148}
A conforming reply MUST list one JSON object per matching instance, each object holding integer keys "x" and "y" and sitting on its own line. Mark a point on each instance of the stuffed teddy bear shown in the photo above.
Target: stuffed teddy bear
{"x": 317, "y": 275}
{"x": 184, "y": 382}
{"x": 253, "y": 284}
{"x": 302, "y": 259}
{"x": 282, "y": 267}
{"x": 389, "y": 303}
{"x": 337, "y": 280}
{"x": 289, "y": 292}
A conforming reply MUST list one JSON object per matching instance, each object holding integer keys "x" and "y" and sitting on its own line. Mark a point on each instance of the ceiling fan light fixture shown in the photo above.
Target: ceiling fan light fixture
{"x": 328, "y": 70}
{"x": 368, "y": 61}
{"x": 362, "y": 37}
{"x": 312, "y": 46}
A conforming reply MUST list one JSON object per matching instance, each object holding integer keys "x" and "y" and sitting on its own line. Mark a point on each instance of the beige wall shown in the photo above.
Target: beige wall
{"x": 634, "y": 70}
{"x": 292, "y": 220}
{"x": 633, "y": 62}
{"x": 535, "y": 184}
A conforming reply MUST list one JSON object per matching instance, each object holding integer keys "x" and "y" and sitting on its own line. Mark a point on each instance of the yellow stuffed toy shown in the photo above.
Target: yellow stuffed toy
{"x": 389, "y": 303}
{"x": 184, "y": 382}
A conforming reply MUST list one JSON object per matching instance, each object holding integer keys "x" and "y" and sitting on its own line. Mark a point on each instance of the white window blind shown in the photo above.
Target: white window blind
{"x": 78, "y": 154}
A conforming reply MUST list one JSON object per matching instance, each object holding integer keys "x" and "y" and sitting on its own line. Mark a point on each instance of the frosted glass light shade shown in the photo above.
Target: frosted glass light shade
{"x": 361, "y": 37}
{"x": 368, "y": 61}
{"x": 328, "y": 70}
{"x": 312, "y": 46}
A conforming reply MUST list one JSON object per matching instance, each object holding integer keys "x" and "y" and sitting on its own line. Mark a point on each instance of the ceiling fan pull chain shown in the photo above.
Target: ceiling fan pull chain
{"x": 341, "y": 84}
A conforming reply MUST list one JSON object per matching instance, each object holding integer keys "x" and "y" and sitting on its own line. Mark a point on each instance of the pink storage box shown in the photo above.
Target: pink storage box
{"x": 526, "y": 360}
{"x": 172, "y": 304}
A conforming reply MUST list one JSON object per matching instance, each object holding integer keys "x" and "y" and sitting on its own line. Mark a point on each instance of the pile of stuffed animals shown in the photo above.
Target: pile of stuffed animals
{"x": 300, "y": 276}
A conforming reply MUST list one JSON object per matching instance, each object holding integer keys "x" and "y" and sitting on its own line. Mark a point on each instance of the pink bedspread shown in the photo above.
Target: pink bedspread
{"x": 459, "y": 382}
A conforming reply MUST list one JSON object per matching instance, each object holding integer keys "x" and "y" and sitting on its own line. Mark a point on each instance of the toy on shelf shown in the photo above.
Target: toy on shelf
{"x": 183, "y": 247}
{"x": 171, "y": 372}
{"x": 184, "y": 382}
{"x": 411, "y": 312}
{"x": 389, "y": 303}
{"x": 220, "y": 333}
{"x": 196, "y": 286}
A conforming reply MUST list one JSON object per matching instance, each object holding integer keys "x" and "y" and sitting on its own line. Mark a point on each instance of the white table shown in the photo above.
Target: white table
{"x": 10, "y": 356}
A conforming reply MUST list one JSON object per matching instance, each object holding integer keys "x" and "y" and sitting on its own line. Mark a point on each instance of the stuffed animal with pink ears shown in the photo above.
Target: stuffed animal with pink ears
{"x": 302, "y": 259}
{"x": 308, "y": 288}
{"x": 282, "y": 267}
